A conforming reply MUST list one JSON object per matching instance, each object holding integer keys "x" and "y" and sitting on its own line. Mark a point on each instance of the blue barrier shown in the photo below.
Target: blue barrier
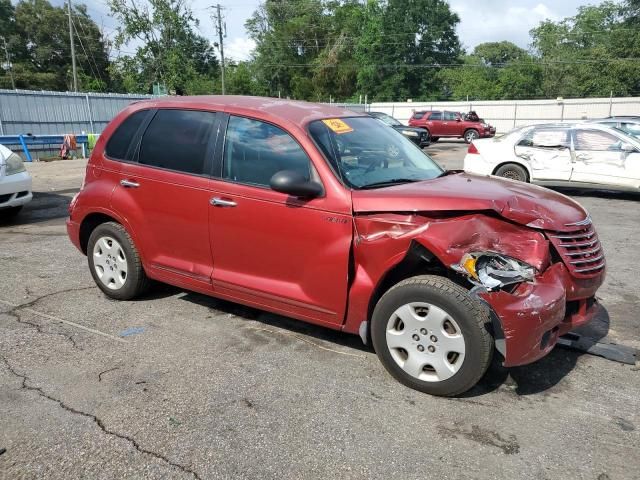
{"x": 25, "y": 140}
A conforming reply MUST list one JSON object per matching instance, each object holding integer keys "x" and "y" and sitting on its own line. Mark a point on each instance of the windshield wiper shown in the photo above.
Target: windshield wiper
{"x": 389, "y": 183}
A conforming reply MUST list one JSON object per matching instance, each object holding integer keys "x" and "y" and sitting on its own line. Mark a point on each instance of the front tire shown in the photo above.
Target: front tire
{"x": 471, "y": 135}
{"x": 114, "y": 262}
{"x": 513, "y": 171}
{"x": 432, "y": 336}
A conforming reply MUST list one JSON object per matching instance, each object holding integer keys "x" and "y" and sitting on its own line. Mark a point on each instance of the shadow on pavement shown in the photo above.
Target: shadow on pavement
{"x": 44, "y": 207}
{"x": 277, "y": 321}
{"x": 526, "y": 380}
{"x": 546, "y": 372}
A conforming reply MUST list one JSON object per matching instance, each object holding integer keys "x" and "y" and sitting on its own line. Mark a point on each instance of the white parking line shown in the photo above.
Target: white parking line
{"x": 67, "y": 322}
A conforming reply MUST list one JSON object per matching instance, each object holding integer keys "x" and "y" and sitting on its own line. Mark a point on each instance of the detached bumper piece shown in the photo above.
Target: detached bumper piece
{"x": 608, "y": 350}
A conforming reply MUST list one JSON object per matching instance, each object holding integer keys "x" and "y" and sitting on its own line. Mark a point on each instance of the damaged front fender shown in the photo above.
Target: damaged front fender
{"x": 383, "y": 240}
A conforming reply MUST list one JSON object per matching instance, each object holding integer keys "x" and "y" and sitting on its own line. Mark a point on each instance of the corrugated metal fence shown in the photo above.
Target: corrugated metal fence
{"x": 49, "y": 113}
{"x": 53, "y": 113}
{"x": 507, "y": 114}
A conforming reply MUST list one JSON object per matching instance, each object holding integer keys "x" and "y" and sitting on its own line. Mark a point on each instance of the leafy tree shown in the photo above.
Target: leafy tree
{"x": 589, "y": 54}
{"x": 40, "y": 49}
{"x": 493, "y": 71}
{"x": 170, "y": 53}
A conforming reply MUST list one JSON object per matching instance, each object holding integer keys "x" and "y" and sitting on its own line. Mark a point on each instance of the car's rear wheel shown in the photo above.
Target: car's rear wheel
{"x": 512, "y": 171}
{"x": 114, "y": 262}
{"x": 471, "y": 135}
{"x": 432, "y": 336}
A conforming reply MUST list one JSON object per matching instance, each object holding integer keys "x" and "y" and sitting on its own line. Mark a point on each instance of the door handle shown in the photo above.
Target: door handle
{"x": 219, "y": 202}
{"x": 129, "y": 183}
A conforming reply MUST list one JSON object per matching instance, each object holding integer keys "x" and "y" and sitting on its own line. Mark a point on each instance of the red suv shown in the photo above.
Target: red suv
{"x": 301, "y": 210}
{"x": 451, "y": 125}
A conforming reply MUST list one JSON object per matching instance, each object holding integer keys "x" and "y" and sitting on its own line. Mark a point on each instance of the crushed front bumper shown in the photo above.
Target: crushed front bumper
{"x": 533, "y": 316}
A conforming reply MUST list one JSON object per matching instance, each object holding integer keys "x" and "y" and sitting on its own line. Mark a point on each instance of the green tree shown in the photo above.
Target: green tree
{"x": 170, "y": 51}
{"x": 591, "y": 54}
{"x": 493, "y": 71}
{"x": 41, "y": 52}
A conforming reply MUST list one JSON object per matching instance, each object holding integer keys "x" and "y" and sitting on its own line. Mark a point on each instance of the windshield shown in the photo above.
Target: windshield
{"x": 389, "y": 120}
{"x": 368, "y": 154}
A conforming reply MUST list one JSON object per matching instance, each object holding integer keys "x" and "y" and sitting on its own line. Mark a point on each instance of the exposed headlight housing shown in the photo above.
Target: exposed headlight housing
{"x": 494, "y": 270}
{"x": 14, "y": 164}
{"x": 410, "y": 133}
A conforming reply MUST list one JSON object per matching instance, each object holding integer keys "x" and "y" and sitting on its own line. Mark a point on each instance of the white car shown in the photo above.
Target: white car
{"x": 15, "y": 183}
{"x": 576, "y": 155}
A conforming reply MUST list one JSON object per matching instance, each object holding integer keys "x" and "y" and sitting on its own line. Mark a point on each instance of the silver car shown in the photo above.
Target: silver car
{"x": 577, "y": 155}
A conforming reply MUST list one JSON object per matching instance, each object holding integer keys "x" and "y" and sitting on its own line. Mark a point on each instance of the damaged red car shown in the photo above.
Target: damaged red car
{"x": 334, "y": 218}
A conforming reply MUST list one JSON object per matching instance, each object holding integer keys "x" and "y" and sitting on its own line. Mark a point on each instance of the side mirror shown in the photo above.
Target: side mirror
{"x": 294, "y": 184}
{"x": 627, "y": 148}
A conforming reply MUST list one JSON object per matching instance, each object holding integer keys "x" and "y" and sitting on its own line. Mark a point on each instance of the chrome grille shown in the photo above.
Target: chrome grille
{"x": 580, "y": 251}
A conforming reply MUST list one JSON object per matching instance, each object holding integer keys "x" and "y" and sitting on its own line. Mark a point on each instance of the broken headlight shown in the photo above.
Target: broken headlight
{"x": 494, "y": 270}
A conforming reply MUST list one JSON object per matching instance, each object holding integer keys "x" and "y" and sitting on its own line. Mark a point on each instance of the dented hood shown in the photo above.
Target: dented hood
{"x": 519, "y": 202}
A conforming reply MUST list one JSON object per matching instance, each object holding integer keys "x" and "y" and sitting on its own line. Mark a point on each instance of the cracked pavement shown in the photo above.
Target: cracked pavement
{"x": 179, "y": 385}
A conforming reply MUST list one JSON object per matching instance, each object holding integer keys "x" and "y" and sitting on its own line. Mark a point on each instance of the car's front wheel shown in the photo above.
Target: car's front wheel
{"x": 471, "y": 135}
{"x": 432, "y": 335}
{"x": 114, "y": 262}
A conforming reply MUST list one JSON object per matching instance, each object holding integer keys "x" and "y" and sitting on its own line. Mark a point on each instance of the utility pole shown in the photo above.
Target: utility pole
{"x": 221, "y": 44}
{"x": 73, "y": 50}
{"x": 6, "y": 51}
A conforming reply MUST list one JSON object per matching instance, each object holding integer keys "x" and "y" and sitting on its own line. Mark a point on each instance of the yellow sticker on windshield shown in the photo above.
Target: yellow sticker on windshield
{"x": 337, "y": 125}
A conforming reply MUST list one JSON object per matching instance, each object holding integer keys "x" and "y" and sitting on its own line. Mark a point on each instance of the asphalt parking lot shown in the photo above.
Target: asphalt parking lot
{"x": 179, "y": 385}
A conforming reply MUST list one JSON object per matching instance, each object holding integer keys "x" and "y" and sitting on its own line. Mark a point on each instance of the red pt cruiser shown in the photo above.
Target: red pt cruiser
{"x": 298, "y": 209}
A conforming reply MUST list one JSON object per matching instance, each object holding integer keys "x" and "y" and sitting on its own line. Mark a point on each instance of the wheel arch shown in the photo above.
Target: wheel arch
{"x": 515, "y": 162}
{"x": 418, "y": 260}
{"x": 95, "y": 218}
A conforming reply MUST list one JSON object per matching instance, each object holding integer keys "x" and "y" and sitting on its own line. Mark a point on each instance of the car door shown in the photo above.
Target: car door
{"x": 164, "y": 194}
{"x": 547, "y": 153}
{"x": 271, "y": 250}
{"x": 602, "y": 158}
{"x": 450, "y": 124}
{"x": 435, "y": 124}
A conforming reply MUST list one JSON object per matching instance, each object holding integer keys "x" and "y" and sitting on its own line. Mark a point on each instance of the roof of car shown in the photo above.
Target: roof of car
{"x": 295, "y": 111}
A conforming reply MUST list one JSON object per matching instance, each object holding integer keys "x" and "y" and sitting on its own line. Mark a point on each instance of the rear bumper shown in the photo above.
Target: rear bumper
{"x": 15, "y": 190}
{"x": 73, "y": 230}
{"x": 535, "y": 315}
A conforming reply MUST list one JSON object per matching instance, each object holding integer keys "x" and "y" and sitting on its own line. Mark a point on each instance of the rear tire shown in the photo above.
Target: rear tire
{"x": 513, "y": 171}
{"x": 114, "y": 262}
{"x": 432, "y": 335}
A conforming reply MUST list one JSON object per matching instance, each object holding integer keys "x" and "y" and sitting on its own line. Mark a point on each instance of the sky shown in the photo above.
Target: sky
{"x": 480, "y": 20}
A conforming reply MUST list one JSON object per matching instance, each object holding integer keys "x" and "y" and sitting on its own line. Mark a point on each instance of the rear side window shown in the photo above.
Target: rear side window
{"x": 118, "y": 144}
{"x": 418, "y": 115}
{"x": 546, "y": 138}
{"x": 255, "y": 151}
{"x": 435, "y": 116}
{"x": 450, "y": 116}
{"x": 178, "y": 140}
{"x": 596, "y": 140}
